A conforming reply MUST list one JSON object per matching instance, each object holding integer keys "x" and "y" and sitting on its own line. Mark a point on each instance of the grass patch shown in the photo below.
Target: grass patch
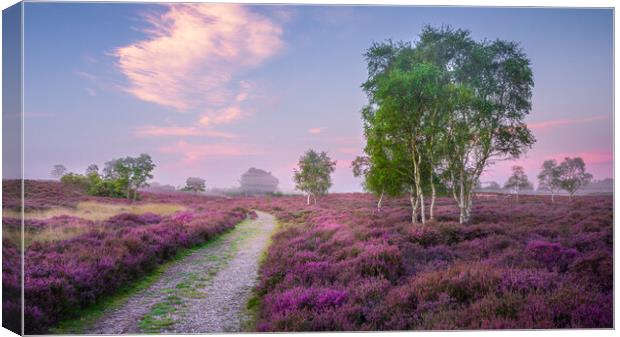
{"x": 254, "y": 302}
{"x": 96, "y": 211}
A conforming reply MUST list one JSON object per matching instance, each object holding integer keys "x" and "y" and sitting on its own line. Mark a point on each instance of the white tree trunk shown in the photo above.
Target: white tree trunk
{"x": 379, "y": 202}
{"x": 433, "y": 196}
{"x": 414, "y": 207}
{"x": 308, "y": 199}
{"x": 552, "y": 197}
{"x": 462, "y": 215}
{"x": 422, "y": 214}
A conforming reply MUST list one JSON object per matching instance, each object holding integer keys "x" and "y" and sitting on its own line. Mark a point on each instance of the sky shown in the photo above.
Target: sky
{"x": 212, "y": 90}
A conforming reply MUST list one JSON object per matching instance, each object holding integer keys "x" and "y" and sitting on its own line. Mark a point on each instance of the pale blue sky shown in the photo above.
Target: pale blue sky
{"x": 211, "y": 91}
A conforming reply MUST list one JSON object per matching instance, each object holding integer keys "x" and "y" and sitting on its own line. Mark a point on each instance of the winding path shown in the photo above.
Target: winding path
{"x": 205, "y": 292}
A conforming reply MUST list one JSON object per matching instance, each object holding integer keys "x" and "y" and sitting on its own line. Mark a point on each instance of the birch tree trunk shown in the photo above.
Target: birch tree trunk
{"x": 421, "y": 199}
{"x": 414, "y": 206}
{"x": 433, "y": 196}
{"x": 379, "y": 202}
{"x": 462, "y": 216}
{"x": 308, "y": 199}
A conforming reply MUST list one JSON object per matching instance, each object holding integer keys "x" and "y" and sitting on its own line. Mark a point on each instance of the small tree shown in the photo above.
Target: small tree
{"x": 549, "y": 178}
{"x": 518, "y": 181}
{"x": 141, "y": 170}
{"x": 92, "y": 169}
{"x": 573, "y": 175}
{"x": 194, "y": 184}
{"x": 130, "y": 173}
{"x": 314, "y": 174}
{"x": 58, "y": 171}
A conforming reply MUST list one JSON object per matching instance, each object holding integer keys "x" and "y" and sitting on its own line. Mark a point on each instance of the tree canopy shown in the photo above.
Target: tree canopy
{"x": 313, "y": 175}
{"x": 440, "y": 110}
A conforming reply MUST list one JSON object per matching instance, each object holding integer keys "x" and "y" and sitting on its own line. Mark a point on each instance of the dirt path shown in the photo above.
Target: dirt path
{"x": 205, "y": 292}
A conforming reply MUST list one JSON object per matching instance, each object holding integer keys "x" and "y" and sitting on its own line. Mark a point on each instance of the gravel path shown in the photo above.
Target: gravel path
{"x": 204, "y": 292}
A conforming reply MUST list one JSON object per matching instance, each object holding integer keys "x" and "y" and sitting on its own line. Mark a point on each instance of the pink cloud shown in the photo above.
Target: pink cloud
{"x": 316, "y": 131}
{"x": 222, "y": 116}
{"x": 567, "y": 121}
{"x": 195, "y": 152}
{"x": 193, "y": 52}
{"x": 163, "y": 131}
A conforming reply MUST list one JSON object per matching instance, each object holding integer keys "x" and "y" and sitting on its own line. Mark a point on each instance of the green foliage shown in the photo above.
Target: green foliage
{"x": 573, "y": 174}
{"x": 313, "y": 174}
{"x": 76, "y": 180}
{"x": 122, "y": 177}
{"x": 194, "y": 184}
{"x": 130, "y": 173}
{"x": 443, "y": 107}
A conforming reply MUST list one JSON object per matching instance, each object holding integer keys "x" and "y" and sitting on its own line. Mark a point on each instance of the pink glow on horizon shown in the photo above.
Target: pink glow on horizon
{"x": 566, "y": 121}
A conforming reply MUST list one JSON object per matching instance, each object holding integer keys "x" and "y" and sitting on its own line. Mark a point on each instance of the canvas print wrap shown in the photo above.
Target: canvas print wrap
{"x": 211, "y": 168}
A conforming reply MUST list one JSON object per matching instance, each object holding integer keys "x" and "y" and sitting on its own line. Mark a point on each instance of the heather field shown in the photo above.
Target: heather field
{"x": 71, "y": 261}
{"x": 342, "y": 265}
{"x": 337, "y": 265}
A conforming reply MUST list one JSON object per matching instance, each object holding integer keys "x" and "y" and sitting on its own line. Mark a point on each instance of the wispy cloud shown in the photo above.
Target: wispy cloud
{"x": 316, "y": 131}
{"x": 195, "y": 152}
{"x": 192, "y": 55}
{"x": 166, "y": 131}
{"x": 565, "y": 121}
{"x": 91, "y": 91}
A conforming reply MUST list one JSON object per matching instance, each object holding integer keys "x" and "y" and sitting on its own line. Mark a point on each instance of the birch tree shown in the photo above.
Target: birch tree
{"x": 313, "y": 175}
{"x": 518, "y": 181}
{"x": 549, "y": 178}
{"x": 491, "y": 84}
{"x": 573, "y": 175}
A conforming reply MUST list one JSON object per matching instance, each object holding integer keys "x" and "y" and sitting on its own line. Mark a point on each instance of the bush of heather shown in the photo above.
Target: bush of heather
{"x": 38, "y": 195}
{"x": 63, "y": 276}
{"x": 343, "y": 265}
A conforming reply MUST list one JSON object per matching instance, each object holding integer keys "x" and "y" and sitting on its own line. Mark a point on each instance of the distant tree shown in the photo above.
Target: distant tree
{"x": 58, "y": 171}
{"x": 518, "y": 181}
{"x": 313, "y": 175}
{"x": 493, "y": 185}
{"x": 573, "y": 175}
{"x": 549, "y": 178}
{"x": 194, "y": 184}
{"x": 141, "y": 172}
{"x": 92, "y": 169}
{"x": 130, "y": 173}
{"x": 258, "y": 182}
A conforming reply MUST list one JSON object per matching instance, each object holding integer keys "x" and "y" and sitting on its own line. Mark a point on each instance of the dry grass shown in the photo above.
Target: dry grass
{"x": 89, "y": 210}
{"x": 96, "y": 211}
